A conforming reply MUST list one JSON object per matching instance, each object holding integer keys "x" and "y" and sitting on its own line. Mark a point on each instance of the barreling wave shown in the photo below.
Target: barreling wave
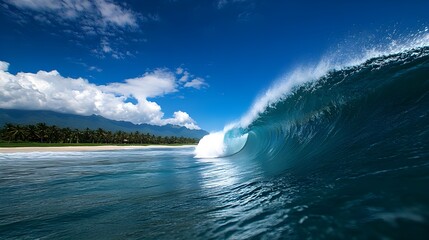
{"x": 378, "y": 104}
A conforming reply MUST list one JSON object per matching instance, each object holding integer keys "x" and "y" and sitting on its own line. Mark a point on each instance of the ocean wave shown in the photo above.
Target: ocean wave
{"x": 352, "y": 104}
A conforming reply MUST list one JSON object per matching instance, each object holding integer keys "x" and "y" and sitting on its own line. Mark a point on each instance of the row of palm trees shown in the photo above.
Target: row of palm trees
{"x": 52, "y": 134}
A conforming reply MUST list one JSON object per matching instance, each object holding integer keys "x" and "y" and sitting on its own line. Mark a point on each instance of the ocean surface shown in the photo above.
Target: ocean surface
{"x": 340, "y": 153}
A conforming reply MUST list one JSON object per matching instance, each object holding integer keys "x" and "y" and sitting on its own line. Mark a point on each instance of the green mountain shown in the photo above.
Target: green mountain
{"x": 26, "y": 117}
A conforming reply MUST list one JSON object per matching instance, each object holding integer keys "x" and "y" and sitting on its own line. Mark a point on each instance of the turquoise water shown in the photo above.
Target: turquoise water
{"x": 134, "y": 194}
{"x": 169, "y": 194}
{"x": 345, "y": 156}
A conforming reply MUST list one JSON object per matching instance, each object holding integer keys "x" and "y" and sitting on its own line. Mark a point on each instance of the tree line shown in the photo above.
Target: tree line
{"x": 52, "y": 134}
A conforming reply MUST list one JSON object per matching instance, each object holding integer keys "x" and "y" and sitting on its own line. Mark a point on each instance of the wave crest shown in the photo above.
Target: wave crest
{"x": 314, "y": 102}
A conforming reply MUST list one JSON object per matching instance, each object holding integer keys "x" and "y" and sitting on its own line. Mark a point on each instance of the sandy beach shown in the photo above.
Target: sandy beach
{"x": 83, "y": 148}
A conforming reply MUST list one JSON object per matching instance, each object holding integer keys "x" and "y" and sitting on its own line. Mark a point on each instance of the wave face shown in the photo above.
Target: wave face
{"x": 341, "y": 153}
{"x": 374, "y": 111}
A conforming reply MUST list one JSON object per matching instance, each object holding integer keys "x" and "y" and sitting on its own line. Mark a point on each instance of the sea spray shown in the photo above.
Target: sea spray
{"x": 218, "y": 144}
{"x": 221, "y": 144}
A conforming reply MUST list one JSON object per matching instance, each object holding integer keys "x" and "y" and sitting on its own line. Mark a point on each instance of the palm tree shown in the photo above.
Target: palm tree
{"x": 32, "y": 134}
{"x": 9, "y": 131}
{"x": 88, "y": 136}
{"x": 100, "y": 135}
{"x": 67, "y": 135}
{"x": 53, "y": 133}
{"x": 41, "y": 131}
{"x": 16, "y": 132}
{"x": 75, "y": 135}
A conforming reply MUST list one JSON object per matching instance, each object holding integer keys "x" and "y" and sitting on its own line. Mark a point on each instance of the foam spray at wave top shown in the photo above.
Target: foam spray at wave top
{"x": 300, "y": 97}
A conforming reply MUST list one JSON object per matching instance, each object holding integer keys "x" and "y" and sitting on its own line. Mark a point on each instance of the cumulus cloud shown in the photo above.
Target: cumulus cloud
{"x": 151, "y": 84}
{"x": 4, "y": 66}
{"x": 182, "y": 119}
{"x": 51, "y": 91}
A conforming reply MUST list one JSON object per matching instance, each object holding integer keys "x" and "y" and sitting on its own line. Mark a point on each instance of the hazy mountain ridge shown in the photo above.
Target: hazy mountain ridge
{"x": 26, "y": 117}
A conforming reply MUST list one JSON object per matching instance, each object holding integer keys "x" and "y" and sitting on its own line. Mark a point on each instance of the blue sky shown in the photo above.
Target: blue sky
{"x": 186, "y": 62}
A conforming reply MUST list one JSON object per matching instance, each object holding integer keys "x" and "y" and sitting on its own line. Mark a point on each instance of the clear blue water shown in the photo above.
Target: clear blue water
{"x": 133, "y": 194}
{"x": 343, "y": 157}
{"x": 169, "y": 194}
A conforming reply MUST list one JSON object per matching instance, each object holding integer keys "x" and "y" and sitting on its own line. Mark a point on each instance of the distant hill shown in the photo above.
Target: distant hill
{"x": 26, "y": 117}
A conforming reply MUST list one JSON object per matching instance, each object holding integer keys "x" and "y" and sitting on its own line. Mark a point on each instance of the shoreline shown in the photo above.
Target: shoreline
{"x": 83, "y": 148}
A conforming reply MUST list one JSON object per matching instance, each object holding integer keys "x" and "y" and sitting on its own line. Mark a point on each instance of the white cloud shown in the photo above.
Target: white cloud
{"x": 94, "y": 68}
{"x": 102, "y": 19}
{"x": 115, "y": 14}
{"x": 184, "y": 76}
{"x": 107, "y": 11}
{"x": 179, "y": 70}
{"x": 4, "y": 66}
{"x": 105, "y": 46}
{"x": 151, "y": 84}
{"x": 51, "y": 91}
{"x": 196, "y": 83}
{"x": 182, "y": 119}
{"x": 36, "y": 4}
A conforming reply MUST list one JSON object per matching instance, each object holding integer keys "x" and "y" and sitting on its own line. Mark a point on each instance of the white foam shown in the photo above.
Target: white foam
{"x": 219, "y": 144}
{"x": 214, "y": 145}
{"x": 211, "y": 146}
{"x": 284, "y": 86}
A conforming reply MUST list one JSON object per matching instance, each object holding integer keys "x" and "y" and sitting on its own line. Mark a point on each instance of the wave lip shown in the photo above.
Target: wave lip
{"x": 313, "y": 110}
{"x": 221, "y": 144}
